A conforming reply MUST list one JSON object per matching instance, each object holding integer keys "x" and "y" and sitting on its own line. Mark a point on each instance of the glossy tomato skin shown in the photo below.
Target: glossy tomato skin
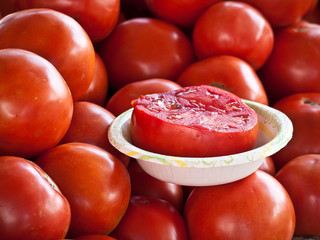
{"x": 151, "y": 218}
{"x": 304, "y": 112}
{"x": 51, "y": 35}
{"x": 233, "y": 28}
{"x": 96, "y": 184}
{"x": 121, "y": 100}
{"x": 143, "y": 184}
{"x": 32, "y": 207}
{"x": 227, "y": 72}
{"x": 268, "y": 166}
{"x": 293, "y": 63}
{"x": 148, "y": 48}
{"x": 32, "y": 92}
{"x": 90, "y": 123}
{"x": 256, "y": 207}
{"x": 94, "y": 237}
{"x": 301, "y": 178}
{"x": 98, "y": 18}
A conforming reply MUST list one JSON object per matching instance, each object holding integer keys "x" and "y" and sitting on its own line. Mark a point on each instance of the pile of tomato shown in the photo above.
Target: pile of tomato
{"x": 69, "y": 68}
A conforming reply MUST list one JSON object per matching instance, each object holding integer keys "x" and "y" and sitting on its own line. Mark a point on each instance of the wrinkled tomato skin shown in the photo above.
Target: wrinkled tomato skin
{"x": 301, "y": 178}
{"x": 256, "y": 207}
{"x": 32, "y": 207}
{"x": 304, "y": 112}
{"x": 90, "y": 123}
{"x": 227, "y": 72}
{"x": 150, "y": 218}
{"x": 121, "y": 100}
{"x": 32, "y": 91}
{"x": 51, "y": 35}
{"x": 233, "y": 28}
{"x": 148, "y": 48}
{"x": 96, "y": 184}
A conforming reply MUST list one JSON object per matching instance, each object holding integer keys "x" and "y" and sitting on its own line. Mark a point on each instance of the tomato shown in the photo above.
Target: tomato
{"x": 304, "y": 111}
{"x": 96, "y": 184}
{"x": 145, "y": 185}
{"x": 98, "y": 89}
{"x": 281, "y": 13}
{"x": 268, "y": 166}
{"x": 144, "y": 48}
{"x": 51, "y": 35}
{"x": 121, "y": 100}
{"x": 32, "y": 91}
{"x": 227, "y": 72}
{"x": 90, "y": 124}
{"x": 301, "y": 178}
{"x": 181, "y": 13}
{"x": 233, "y": 28}
{"x": 168, "y": 122}
{"x": 32, "y": 206}
{"x": 256, "y": 207}
{"x": 150, "y": 218}
{"x": 94, "y": 237}
{"x": 294, "y": 66}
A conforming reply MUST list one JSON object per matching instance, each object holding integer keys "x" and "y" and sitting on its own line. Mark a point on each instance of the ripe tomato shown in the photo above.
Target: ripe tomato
{"x": 51, "y": 35}
{"x": 143, "y": 184}
{"x": 268, "y": 166}
{"x": 181, "y": 13}
{"x": 293, "y": 64}
{"x": 168, "y": 122}
{"x": 150, "y": 218}
{"x": 233, "y": 28}
{"x": 32, "y": 91}
{"x": 256, "y": 207}
{"x": 304, "y": 112}
{"x": 94, "y": 237}
{"x": 148, "y": 48}
{"x": 121, "y": 100}
{"x": 32, "y": 206}
{"x": 301, "y": 178}
{"x": 96, "y": 184}
{"x": 226, "y": 72}
{"x": 90, "y": 123}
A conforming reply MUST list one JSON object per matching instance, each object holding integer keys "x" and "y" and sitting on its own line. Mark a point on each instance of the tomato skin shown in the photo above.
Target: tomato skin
{"x": 148, "y": 48}
{"x": 233, "y": 28}
{"x": 90, "y": 123}
{"x": 94, "y": 237}
{"x": 301, "y": 178}
{"x": 31, "y": 206}
{"x": 268, "y": 166}
{"x": 150, "y": 218}
{"x": 121, "y": 100}
{"x": 227, "y": 72}
{"x": 50, "y": 34}
{"x": 256, "y": 207}
{"x": 96, "y": 184}
{"x": 304, "y": 112}
{"x": 31, "y": 92}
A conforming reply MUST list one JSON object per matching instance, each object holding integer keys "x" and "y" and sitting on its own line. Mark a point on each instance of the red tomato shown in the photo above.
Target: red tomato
{"x": 94, "y": 237}
{"x": 226, "y": 72}
{"x": 98, "y": 18}
{"x": 168, "y": 122}
{"x": 256, "y": 207}
{"x": 90, "y": 124}
{"x": 301, "y": 178}
{"x": 121, "y": 100}
{"x": 268, "y": 166}
{"x": 98, "y": 89}
{"x": 294, "y": 66}
{"x": 144, "y": 48}
{"x": 233, "y": 28}
{"x": 36, "y": 104}
{"x": 96, "y": 184}
{"x": 143, "y": 184}
{"x": 304, "y": 112}
{"x": 51, "y": 35}
{"x": 150, "y": 218}
{"x": 181, "y": 13}
{"x": 281, "y": 13}
{"x": 32, "y": 206}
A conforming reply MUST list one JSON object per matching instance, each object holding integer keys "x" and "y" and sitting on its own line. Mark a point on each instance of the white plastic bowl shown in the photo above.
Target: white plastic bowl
{"x": 275, "y": 131}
